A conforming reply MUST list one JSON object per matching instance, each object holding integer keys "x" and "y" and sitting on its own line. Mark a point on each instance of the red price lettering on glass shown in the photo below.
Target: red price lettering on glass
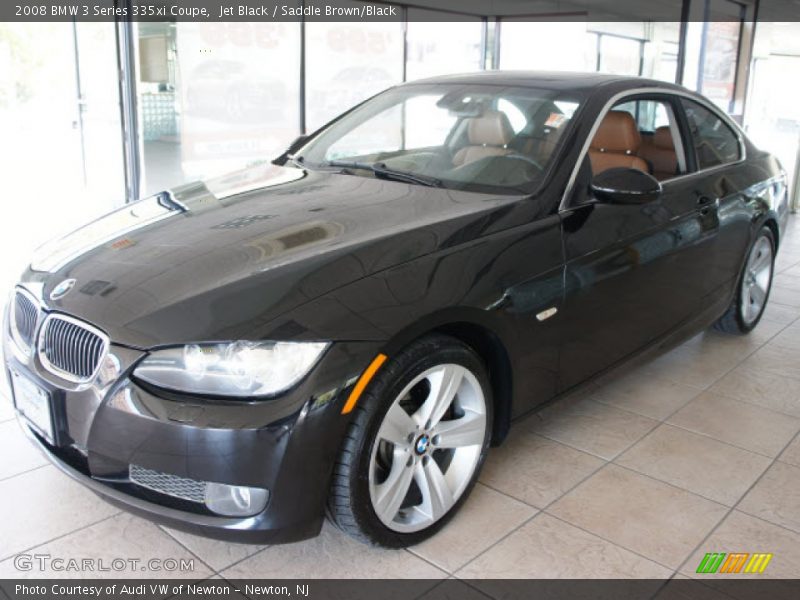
{"x": 351, "y": 39}
{"x": 262, "y": 35}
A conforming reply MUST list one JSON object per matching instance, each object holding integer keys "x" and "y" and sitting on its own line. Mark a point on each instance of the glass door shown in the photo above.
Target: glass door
{"x": 61, "y": 144}
{"x": 61, "y": 147}
{"x": 40, "y": 148}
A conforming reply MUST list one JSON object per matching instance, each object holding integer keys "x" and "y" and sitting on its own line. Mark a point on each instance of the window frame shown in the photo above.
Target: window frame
{"x": 674, "y": 95}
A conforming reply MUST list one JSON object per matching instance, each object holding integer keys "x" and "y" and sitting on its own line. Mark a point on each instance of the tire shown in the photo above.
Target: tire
{"x": 753, "y": 287}
{"x": 397, "y": 481}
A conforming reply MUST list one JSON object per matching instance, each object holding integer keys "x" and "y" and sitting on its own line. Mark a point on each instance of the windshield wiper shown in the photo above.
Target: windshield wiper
{"x": 381, "y": 170}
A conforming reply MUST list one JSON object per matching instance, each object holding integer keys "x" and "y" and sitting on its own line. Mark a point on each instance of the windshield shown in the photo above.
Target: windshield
{"x": 483, "y": 138}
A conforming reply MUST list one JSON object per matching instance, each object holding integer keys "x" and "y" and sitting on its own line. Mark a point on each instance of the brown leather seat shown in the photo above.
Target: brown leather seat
{"x": 616, "y": 143}
{"x": 488, "y": 136}
{"x": 660, "y": 153}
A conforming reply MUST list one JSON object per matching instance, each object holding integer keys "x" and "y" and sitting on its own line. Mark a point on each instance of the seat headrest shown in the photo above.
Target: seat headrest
{"x": 662, "y": 138}
{"x": 490, "y": 129}
{"x": 617, "y": 133}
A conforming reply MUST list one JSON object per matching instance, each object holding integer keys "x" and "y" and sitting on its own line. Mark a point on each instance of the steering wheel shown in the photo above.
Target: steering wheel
{"x": 526, "y": 159}
{"x": 415, "y": 159}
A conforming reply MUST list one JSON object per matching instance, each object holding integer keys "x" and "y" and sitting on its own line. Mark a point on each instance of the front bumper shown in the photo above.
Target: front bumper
{"x": 247, "y": 530}
{"x": 286, "y": 445}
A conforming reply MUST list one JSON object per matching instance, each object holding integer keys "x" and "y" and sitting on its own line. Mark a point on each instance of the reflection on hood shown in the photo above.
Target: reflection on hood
{"x": 56, "y": 254}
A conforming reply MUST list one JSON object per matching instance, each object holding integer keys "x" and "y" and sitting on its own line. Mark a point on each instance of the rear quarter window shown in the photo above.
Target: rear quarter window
{"x": 715, "y": 143}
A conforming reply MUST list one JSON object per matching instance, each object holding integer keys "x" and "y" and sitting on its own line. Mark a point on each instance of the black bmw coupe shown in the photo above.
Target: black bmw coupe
{"x": 348, "y": 329}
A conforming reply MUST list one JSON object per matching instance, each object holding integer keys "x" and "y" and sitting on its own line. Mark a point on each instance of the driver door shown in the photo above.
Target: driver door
{"x": 633, "y": 271}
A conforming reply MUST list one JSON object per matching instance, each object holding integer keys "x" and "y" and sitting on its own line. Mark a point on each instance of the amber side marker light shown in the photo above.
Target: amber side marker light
{"x": 362, "y": 382}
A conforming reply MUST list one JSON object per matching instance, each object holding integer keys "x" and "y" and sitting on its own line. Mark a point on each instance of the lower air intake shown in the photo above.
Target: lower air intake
{"x": 171, "y": 485}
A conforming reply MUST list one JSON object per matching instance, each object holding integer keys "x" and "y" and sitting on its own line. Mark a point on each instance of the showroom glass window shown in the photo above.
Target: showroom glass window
{"x": 429, "y": 53}
{"x": 620, "y": 55}
{"x": 773, "y": 120}
{"x": 551, "y": 46}
{"x": 660, "y": 60}
{"x": 715, "y": 43}
{"x": 715, "y": 143}
{"x": 347, "y": 63}
{"x": 215, "y": 97}
{"x": 717, "y": 78}
{"x": 648, "y": 49}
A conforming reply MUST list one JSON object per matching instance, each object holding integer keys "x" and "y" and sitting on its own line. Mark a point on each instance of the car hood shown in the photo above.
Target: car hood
{"x": 221, "y": 259}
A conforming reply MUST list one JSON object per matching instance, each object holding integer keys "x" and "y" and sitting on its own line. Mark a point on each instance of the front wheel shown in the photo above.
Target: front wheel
{"x": 417, "y": 441}
{"x": 754, "y": 286}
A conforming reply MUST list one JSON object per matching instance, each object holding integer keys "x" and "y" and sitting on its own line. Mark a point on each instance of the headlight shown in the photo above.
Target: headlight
{"x": 241, "y": 369}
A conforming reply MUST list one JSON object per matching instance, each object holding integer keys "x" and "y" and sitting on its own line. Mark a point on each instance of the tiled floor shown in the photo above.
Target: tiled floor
{"x": 639, "y": 476}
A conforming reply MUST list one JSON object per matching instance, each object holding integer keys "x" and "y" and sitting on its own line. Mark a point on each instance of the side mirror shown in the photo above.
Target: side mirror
{"x": 622, "y": 185}
{"x": 298, "y": 143}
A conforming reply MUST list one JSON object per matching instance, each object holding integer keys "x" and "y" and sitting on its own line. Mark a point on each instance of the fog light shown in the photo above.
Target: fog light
{"x": 235, "y": 500}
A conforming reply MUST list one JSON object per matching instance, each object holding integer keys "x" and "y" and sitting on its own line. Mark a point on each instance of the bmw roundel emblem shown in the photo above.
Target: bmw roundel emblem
{"x": 422, "y": 444}
{"x": 62, "y": 289}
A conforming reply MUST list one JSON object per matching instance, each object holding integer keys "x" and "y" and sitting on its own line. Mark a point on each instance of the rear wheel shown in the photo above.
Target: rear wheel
{"x": 754, "y": 286}
{"x": 417, "y": 441}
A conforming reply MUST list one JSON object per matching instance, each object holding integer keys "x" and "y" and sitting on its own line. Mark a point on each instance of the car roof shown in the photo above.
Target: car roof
{"x": 555, "y": 80}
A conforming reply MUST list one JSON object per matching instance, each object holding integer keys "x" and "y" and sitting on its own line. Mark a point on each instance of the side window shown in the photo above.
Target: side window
{"x": 714, "y": 141}
{"x": 642, "y": 134}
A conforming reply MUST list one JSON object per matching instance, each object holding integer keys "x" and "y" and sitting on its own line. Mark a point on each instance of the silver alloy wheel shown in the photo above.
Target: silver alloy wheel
{"x": 427, "y": 448}
{"x": 756, "y": 280}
